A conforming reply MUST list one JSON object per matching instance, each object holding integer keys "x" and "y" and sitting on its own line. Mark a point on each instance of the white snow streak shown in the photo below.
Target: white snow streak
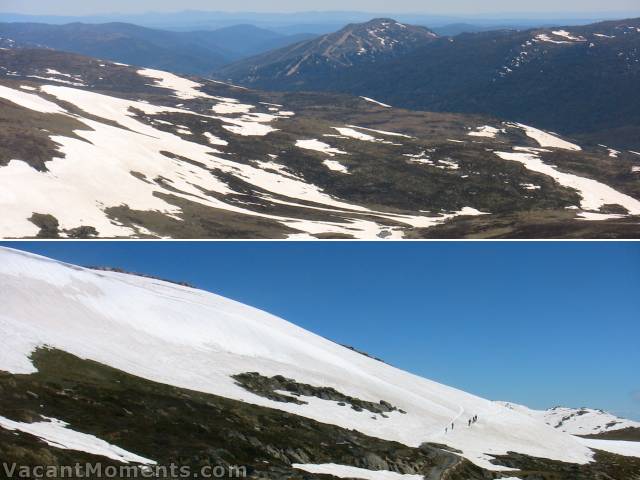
{"x": 383, "y": 132}
{"x": 546, "y": 139}
{"x": 567, "y": 35}
{"x": 56, "y": 434}
{"x": 346, "y": 471}
{"x": 486, "y": 131}
{"x": 371, "y": 100}
{"x": 336, "y": 166}
{"x": 318, "y": 146}
{"x": 620, "y": 447}
{"x": 29, "y": 100}
{"x": 594, "y": 194}
{"x": 183, "y": 88}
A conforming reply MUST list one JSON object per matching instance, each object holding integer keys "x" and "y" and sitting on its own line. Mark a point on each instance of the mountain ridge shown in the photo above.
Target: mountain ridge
{"x": 584, "y": 421}
{"x": 355, "y": 43}
{"x": 194, "y": 52}
{"x": 578, "y": 80}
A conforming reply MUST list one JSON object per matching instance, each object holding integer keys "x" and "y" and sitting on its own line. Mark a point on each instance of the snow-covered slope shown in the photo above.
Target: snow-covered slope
{"x": 98, "y": 149}
{"x": 197, "y": 340}
{"x": 619, "y": 447}
{"x": 577, "y": 421}
{"x": 585, "y": 421}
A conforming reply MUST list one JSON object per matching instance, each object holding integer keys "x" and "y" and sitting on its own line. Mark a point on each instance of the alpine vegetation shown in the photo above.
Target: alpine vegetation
{"x": 91, "y": 148}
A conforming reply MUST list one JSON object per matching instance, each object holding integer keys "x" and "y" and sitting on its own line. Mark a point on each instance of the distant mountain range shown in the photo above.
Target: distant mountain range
{"x": 581, "y": 81}
{"x": 319, "y": 22}
{"x": 198, "y": 52}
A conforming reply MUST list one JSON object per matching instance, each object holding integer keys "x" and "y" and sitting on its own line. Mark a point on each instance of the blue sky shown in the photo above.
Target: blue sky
{"x": 539, "y": 323}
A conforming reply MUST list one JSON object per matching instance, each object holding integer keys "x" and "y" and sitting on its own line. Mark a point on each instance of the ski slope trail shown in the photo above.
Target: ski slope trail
{"x": 446, "y": 428}
{"x": 197, "y": 340}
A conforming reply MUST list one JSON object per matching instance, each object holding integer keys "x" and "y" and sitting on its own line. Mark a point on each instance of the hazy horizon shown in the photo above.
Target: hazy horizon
{"x": 500, "y": 8}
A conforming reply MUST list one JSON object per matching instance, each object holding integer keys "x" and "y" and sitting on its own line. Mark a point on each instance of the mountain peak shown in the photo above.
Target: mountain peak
{"x": 388, "y": 33}
{"x": 357, "y": 43}
{"x": 382, "y": 22}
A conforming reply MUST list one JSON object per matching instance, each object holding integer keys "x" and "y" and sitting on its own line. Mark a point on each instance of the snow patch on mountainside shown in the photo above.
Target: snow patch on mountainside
{"x": 585, "y": 421}
{"x": 620, "y": 447}
{"x": 58, "y": 80}
{"x": 182, "y": 87}
{"x": 380, "y": 104}
{"x": 346, "y": 471}
{"x": 57, "y": 434}
{"x": 213, "y": 140}
{"x": 231, "y": 107}
{"x": 546, "y": 139}
{"x": 202, "y": 339}
{"x": 349, "y": 132}
{"x": 318, "y": 146}
{"x": 568, "y": 36}
{"x": 559, "y": 37}
{"x": 29, "y": 100}
{"x": 79, "y": 186}
{"x": 421, "y": 157}
{"x": 594, "y": 194}
{"x": 577, "y": 421}
{"x": 383, "y": 132}
{"x": 597, "y": 217}
{"x": 247, "y": 128}
{"x": 485, "y": 131}
{"x": 543, "y": 37}
{"x": 336, "y": 166}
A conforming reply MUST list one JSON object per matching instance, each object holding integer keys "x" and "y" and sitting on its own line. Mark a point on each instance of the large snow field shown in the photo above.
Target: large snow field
{"x": 95, "y": 172}
{"x": 118, "y": 161}
{"x": 196, "y": 340}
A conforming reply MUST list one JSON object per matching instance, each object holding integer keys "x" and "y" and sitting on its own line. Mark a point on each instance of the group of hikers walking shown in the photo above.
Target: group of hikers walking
{"x": 470, "y": 422}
